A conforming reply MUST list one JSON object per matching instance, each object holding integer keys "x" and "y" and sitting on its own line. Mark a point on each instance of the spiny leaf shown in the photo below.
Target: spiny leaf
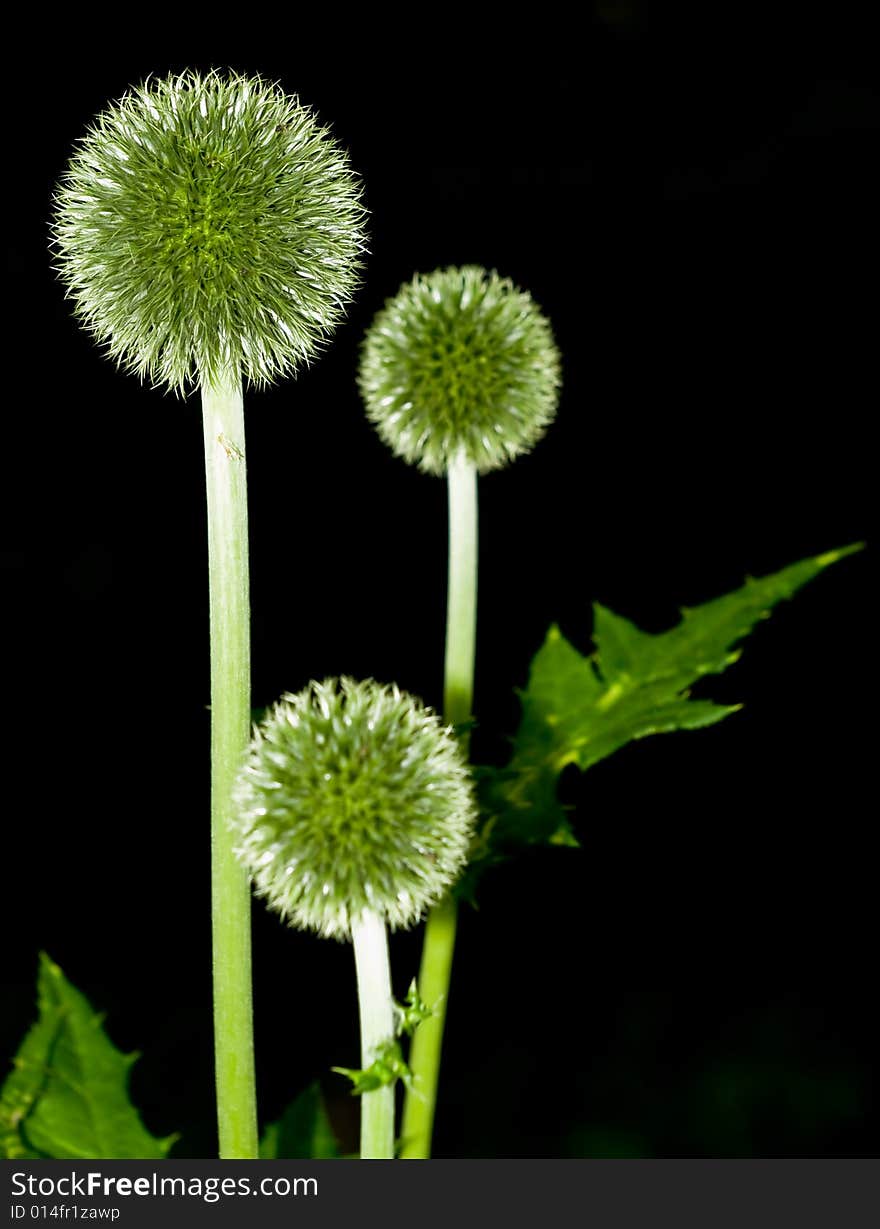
{"x": 303, "y": 1131}
{"x": 412, "y": 1012}
{"x": 25, "y": 1084}
{"x": 386, "y": 1068}
{"x": 578, "y": 710}
{"x": 66, "y": 1096}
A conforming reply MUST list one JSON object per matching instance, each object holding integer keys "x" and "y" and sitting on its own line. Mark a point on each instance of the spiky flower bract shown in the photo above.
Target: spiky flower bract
{"x": 460, "y": 360}
{"x": 208, "y": 224}
{"x": 353, "y": 797}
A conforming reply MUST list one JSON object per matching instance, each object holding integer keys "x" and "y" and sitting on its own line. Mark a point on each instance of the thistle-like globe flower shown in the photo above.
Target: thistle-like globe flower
{"x": 207, "y": 224}
{"x": 460, "y": 360}
{"x": 353, "y": 797}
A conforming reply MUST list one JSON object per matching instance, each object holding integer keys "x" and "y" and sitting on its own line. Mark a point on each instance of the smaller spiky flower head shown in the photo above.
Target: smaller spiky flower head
{"x": 208, "y": 223}
{"x": 353, "y": 797}
{"x": 460, "y": 360}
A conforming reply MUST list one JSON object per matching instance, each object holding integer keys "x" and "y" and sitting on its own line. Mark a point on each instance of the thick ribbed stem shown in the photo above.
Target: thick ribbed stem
{"x": 458, "y": 690}
{"x": 370, "y": 942}
{"x": 226, "y": 476}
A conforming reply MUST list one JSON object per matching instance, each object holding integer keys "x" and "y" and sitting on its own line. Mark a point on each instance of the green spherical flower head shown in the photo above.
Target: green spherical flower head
{"x": 353, "y": 797}
{"x": 460, "y": 360}
{"x": 208, "y": 224}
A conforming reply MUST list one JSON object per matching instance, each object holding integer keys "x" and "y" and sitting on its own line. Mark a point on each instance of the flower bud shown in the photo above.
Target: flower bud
{"x": 353, "y": 797}
{"x": 460, "y": 361}
{"x": 208, "y": 224}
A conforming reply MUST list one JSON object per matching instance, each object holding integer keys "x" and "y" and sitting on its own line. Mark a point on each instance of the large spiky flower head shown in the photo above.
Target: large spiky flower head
{"x": 207, "y": 224}
{"x": 353, "y": 798}
{"x": 460, "y": 361}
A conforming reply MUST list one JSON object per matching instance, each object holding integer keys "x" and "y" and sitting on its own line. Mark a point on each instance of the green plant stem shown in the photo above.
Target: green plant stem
{"x": 461, "y": 601}
{"x": 370, "y": 941}
{"x": 226, "y": 476}
{"x": 458, "y": 691}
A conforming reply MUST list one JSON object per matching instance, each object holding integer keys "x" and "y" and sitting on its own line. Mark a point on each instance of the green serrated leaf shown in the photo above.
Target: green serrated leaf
{"x": 24, "y": 1085}
{"x": 67, "y": 1095}
{"x": 579, "y": 710}
{"x": 303, "y": 1131}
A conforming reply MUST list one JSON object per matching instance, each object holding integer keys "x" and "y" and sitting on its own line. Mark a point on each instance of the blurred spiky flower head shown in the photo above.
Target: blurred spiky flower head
{"x": 208, "y": 224}
{"x": 353, "y": 797}
{"x": 460, "y": 360}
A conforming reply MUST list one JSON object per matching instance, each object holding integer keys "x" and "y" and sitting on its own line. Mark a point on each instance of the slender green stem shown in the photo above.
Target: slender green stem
{"x": 226, "y": 475}
{"x": 461, "y": 601}
{"x": 439, "y": 943}
{"x": 424, "y": 1056}
{"x": 370, "y": 942}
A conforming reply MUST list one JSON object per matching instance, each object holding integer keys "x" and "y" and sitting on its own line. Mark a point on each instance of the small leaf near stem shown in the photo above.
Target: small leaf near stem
{"x": 410, "y": 1014}
{"x": 384, "y": 1071}
{"x": 370, "y": 941}
{"x": 439, "y": 943}
{"x": 226, "y": 477}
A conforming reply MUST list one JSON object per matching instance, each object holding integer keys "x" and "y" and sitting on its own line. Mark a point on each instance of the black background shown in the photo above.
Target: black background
{"x": 693, "y": 205}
